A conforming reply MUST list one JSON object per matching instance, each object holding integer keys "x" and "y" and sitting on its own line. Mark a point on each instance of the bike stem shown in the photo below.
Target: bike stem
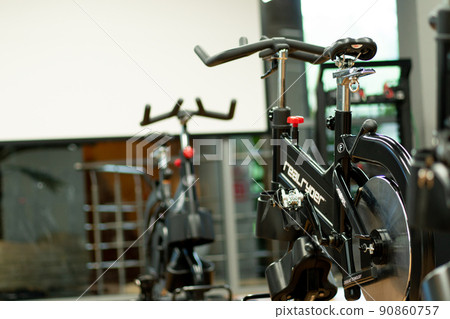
{"x": 282, "y": 58}
{"x": 343, "y": 127}
{"x": 188, "y": 171}
{"x": 279, "y": 117}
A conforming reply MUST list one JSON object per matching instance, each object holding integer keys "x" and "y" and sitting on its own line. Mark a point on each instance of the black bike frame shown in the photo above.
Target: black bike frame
{"x": 186, "y": 190}
{"x": 301, "y": 171}
{"x": 328, "y": 189}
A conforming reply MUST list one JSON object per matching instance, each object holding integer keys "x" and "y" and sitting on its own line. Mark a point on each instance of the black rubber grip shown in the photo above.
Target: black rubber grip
{"x": 309, "y": 57}
{"x": 202, "y": 112}
{"x": 229, "y": 55}
{"x": 147, "y": 120}
{"x": 305, "y": 47}
{"x": 176, "y": 112}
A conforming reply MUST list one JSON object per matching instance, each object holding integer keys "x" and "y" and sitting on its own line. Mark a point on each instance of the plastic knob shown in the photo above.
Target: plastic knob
{"x": 188, "y": 152}
{"x": 177, "y": 162}
{"x": 295, "y": 120}
{"x": 370, "y": 126}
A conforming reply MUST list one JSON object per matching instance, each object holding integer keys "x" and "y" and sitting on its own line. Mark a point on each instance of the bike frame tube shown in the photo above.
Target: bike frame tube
{"x": 279, "y": 118}
{"x": 187, "y": 175}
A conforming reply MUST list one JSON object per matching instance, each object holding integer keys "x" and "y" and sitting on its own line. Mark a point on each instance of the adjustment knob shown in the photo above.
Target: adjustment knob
{"x": 370, "y": 126}
{"x": 188, "y": 152}
{"x": 330, "y": 123}
{"x": 177, "y": 162}
{"x": 295, "y": 120}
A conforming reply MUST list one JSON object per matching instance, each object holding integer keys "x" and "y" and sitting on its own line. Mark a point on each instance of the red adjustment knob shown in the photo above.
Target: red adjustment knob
{"x": 177, "y": 162}
{"x": 295, "y": 120}
{"x": 188, "y": 152}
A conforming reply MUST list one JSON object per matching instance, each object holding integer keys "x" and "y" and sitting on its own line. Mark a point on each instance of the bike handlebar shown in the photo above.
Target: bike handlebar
{"x": 181, "y": 114}
{"x": 362, "y": 49}
{"x": 297, "y": 49}
{"x": 161, "y": 117}
{"x": 214, "y": 115}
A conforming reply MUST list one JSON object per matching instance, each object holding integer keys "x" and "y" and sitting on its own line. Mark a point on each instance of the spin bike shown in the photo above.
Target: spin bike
{"x": 429, "y": 187}
{"x": 338, "y": 215}
{"x": 177, "y": 225}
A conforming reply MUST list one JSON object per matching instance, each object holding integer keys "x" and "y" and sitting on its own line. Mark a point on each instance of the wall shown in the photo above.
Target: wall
{"x": 85, "y": 69}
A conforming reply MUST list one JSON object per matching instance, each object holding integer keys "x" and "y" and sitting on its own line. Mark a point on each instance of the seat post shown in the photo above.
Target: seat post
{"x": 347, "y": 81}
{"x": 282, "y": 57}
{"x": 279, "y": 117}
{"x": 343, "y": 94}
{"x": 344, "y": 80}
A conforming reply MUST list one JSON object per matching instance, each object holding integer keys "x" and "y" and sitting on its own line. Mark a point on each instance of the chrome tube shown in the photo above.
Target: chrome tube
{"x": 282, "y": 57}
{"x": 343, "y": 94}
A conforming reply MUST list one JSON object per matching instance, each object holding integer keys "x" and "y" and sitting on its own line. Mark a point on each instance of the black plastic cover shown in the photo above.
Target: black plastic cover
{"x": 269, "y": 221}
{"x": 179, "y": 273}
{"x": 190, "y": 230}
{"x": 301, "y": 274}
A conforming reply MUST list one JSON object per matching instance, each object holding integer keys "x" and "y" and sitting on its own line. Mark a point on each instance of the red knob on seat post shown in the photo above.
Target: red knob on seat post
{"x": 295, "y": 121}
{"x": 188, "y": 152}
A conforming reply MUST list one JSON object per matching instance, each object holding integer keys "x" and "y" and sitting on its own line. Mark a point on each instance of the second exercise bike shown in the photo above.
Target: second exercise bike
{"x": 176, "y": 224}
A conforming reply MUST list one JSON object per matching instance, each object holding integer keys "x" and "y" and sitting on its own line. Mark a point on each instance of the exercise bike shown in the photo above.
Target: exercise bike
{"x": 177, "y": 224}
{"x": 429, "y": 187}
{"x": 338, "y": 215}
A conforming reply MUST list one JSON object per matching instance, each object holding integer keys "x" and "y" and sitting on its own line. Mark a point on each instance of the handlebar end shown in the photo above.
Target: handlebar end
{"x": 146, "y": 119}
{"x": 232, "y": 109}
{"x": 178, "y": 105}
{"x": 201, "y": 53}
{"x": 214, "y": 115}
{"x": 243, "y": 41}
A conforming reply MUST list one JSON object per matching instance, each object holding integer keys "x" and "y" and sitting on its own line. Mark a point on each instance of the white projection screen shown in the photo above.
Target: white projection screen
{"x": 84, "y": 69}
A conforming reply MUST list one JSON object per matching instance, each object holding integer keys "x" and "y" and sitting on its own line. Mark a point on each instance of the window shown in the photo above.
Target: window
{"x": 326, "y": 21}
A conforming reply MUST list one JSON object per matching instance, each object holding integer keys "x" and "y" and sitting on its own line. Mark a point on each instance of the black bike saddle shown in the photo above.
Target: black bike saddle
{"x": 366, "y": 48}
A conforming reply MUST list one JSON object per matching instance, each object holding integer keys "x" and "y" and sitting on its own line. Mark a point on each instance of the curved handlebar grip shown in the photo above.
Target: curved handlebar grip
{"x": 215, "y": 115}
{"x": 228, "y": 55}
{"x": 147, "y": 120}
{"x": 146, "y": 115}
{"x": 309, "y": 57}
{"x": 202, "y": 54}
{"x": 305, "y": 47}
{"x": 268, "y": 46}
